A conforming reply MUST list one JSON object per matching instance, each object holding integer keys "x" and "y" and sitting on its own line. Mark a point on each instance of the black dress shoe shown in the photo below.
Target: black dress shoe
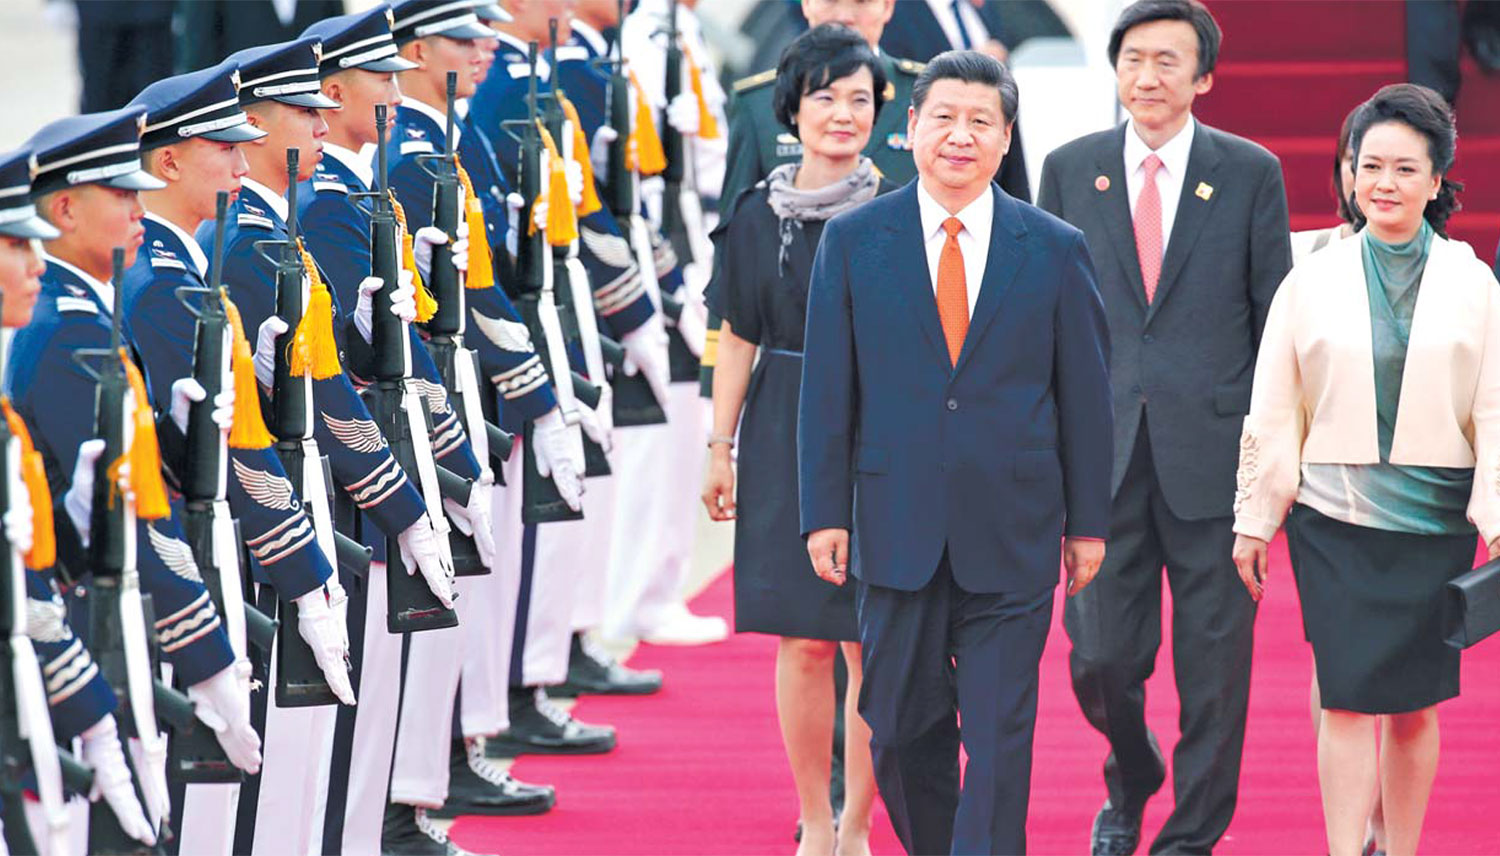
{"x": 408, "y": 832}
{"x": 1116, "y": 832}
{"x": 591, "y": 670}
{"x": 477, "y": 786}
{"x": 540, "y": 727}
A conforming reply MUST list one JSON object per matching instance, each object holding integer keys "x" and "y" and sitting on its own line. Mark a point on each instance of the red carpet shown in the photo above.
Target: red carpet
{"x": 700, "y": 768}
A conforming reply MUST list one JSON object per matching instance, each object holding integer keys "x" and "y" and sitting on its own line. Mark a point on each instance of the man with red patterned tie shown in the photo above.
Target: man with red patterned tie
{"x": 1187, "y": 227}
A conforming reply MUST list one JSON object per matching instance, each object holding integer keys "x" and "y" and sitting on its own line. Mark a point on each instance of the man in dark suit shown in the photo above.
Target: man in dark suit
{"x": 955, "y": 416}
{"x": 209, "y": 30}
{"x": 921, "y": 29}
{"x": 1187, "y": 227}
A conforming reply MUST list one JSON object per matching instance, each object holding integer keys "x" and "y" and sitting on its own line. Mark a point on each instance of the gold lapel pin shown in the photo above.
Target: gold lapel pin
{"x": 1204, "y": 191}
{"x": 1101, "y": 183}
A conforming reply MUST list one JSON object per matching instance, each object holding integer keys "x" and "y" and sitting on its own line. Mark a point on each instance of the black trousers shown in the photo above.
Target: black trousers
{"x": 1115, "y": 625}
{"x": 931, "y": 656}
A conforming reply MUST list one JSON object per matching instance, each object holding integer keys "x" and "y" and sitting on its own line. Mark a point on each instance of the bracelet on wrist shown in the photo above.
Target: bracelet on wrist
{"x": 720, "y": 440}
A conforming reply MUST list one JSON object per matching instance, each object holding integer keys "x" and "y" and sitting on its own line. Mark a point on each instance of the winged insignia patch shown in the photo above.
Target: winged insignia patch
{"x": 436, "y": 395}
{"x": 44, "y": 621}
{"x": 508, "y": 335}
{"x": 175, "y": 554}
{"x": 267, "y": 488}
{"x": 612, "y": 250}
{"x": 360, "y": 435}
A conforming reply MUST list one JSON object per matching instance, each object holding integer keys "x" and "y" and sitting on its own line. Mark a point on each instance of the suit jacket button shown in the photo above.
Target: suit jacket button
{"x": 1147, "y": 339}
{"x": 952, "y": 404}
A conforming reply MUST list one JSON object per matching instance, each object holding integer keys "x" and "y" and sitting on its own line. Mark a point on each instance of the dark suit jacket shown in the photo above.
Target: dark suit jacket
{"x": 1186, "y": 360}
{"x": 992, "y": 459}
{"x": 214, "y": 29}
{"x": 914, "y": 33}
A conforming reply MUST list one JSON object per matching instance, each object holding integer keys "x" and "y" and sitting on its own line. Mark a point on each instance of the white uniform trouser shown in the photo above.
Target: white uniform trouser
{"x": 77, "y": 843}
{"x": 419, "y": 773}
{"x": 490, "y": 616}
{"x": 296, "y": 752}
{"x": 592, "y": 574}
{"x": 209, "y": 814}
{"x": 564, "y": 551}
{"x": 374, "y": 722}
{"x": 662, "y": 468}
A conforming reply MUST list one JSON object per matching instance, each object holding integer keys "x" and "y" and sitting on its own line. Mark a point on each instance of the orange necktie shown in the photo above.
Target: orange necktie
{"x": 952, "y": 291}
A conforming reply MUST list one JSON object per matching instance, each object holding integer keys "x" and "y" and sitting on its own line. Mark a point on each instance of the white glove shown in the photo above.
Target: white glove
{"x": 321, "y": 625}
{"x": 338, "y": 601}
{"x": 265, "y": 348}
{"x": 514, "y": 202}
{"x": 597, "y": 422}
{"x": 474, "y": 520}
{"x": 79, "y": 500}
{"x": 693, "y": 324}
{"x": 646, "y": 353}
{"x": 419, "y": 552}
{"x": 599, "y": 150}
{"x": 101, "y": 750}
{"x": 574, "y": 172}
{"x": 559, "y": 457}
{"x": 188, "y": 391}
{"x": 682, "y": 114}
{"x": 428, "y": 237}
{"x": 222, "y": 702}
{"x": 403, "y": 302}
{"x": 20, "y": 526}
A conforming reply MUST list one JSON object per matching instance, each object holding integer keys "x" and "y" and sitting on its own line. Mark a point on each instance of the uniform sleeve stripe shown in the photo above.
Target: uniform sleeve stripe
{"x": 302, "y": 529}
{"x": 522, "y": 371}
{"x": 63, "y": 659}
{"x": 523, "y": 391}
{"x": 296, "y": 519}
{"x": 395, "y": 486}
{"x": 378, "y": 473}
{"x": 78, "y": 683}
{"x": 202, "y": 631}
{"x": 177, "y": 616}
{"x": 308, "y": 535}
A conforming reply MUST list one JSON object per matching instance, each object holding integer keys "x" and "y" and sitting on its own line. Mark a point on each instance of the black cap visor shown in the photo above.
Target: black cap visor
{"x": 387, "y": 65}
{"x": 315, "y": 100}
{"x": 242, "y": 133}
{"x": 137, "y": 180}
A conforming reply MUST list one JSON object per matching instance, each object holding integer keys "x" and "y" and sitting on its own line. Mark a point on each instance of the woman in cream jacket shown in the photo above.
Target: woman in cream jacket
{"x": 1374, "y": 432}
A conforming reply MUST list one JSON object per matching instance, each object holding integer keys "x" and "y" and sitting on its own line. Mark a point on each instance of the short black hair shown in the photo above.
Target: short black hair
{"x": 1425, "y": 112}
{"x": 817, "y": 58}
{"x": 1192, "y": 11}
{"x": 969, "y": 67}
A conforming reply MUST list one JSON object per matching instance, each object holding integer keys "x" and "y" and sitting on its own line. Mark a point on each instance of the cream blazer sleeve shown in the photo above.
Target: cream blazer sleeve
{"x": 1484, "y": 427}
{"x": 1270, "y": 468}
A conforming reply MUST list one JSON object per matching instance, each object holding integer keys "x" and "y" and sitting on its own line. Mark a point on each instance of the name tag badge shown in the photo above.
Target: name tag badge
{"x": 899, "y": 142}
{"x": 788, "y": 146}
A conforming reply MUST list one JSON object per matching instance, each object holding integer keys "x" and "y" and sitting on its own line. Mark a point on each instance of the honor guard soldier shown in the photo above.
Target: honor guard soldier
{"x": 280, "y": 93}
{"x": 627, "y": 309}
{"x": 358, "y": 70}
{"x": 567, "y": 552}
{"x": 194, "y": 126}
{"x": 78, "y": 701}
{"x": 87, "y": 184}
{"x": 422, "y": 129}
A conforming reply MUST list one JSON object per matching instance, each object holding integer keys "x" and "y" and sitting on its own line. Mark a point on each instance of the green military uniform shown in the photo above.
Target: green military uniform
{"x": 758, "y": 143}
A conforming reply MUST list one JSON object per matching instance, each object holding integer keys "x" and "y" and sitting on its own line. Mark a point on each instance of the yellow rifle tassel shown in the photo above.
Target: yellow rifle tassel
{"x": 645, "y": 154}
{"x": 590, "y": 202}
{"x": 481, "y": 265}
{"x": 426, "y": 304}
{"x": 314, "y": 350}
{"x": 562, "y": 219}
{"x": 708, "y": 126}
{"x": 43, "y": 552}
{"x": 248, "y": 430}
{"x": 145, "y": 456}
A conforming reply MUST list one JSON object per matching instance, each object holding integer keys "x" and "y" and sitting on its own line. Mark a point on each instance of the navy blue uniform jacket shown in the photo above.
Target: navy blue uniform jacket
{"x": 993, "y": 459}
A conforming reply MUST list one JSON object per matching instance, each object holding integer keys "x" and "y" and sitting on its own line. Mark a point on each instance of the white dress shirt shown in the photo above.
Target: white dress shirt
{"x": 978, "y": 218}
{"x": 104, "y": 290}
{"x": 1174, "y": 160}
{"x": 356, "y": 162}
{"x": 942, "y": 10}
{"x": 265, "y": 195}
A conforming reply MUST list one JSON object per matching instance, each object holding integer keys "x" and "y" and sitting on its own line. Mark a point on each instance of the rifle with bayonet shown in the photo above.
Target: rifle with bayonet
{"x": 634, "y": 400}
{"x": 400, "y": 414}
{"x": 119, "y": 637}
{"x": 206, "y": 522}
{"x": 575, "y": 307}
{"x": 673, "y": 221}
{"x": 299, "y": 678}
{"x": 541, "y": 501}
{"x": 27, "y": 745}
{"x": 457, "y": 365}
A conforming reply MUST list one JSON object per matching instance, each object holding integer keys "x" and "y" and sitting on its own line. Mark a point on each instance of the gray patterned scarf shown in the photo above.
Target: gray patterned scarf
{"x": 793, "y": 205}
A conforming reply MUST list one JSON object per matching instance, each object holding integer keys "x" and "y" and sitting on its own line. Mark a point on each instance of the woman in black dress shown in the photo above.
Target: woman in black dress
{"x": 829, "y": 87}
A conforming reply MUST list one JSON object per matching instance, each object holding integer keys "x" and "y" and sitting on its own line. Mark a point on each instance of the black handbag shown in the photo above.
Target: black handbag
{"x": 1472, "y": 605}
